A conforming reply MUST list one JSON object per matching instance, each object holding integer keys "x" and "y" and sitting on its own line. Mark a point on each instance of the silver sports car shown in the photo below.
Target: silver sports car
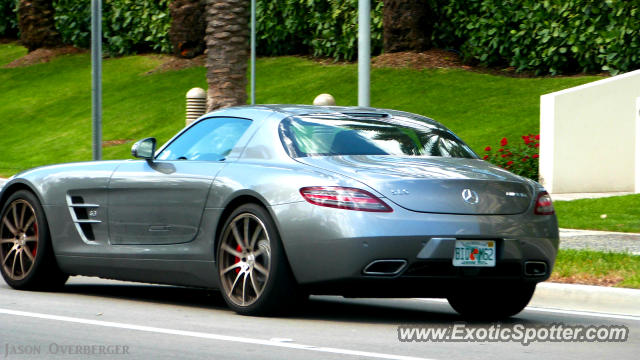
{"x": 272, "y": 203}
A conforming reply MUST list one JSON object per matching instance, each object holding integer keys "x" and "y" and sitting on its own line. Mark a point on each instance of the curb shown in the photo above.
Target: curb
{"x": 587, "y": 298}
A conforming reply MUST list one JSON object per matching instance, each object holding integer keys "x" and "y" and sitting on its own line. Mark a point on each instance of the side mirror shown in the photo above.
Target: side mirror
{"x": 144, "y": 149}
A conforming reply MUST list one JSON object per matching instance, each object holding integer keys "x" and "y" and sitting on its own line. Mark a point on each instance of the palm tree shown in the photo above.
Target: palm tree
{"x": 408, "y": 24}
{"x": 227, "y": 52}
{"x": 37, "y": 24}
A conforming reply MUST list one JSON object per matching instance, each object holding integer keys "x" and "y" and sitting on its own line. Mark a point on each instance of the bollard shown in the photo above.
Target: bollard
{"x": 324, "y": 100}
{"x": 196, "y": 104}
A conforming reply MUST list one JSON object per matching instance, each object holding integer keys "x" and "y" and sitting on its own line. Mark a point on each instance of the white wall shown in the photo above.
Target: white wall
{"x": 590, "y": 137}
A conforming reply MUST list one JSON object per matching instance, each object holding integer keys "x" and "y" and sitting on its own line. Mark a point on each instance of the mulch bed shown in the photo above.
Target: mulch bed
{"x": 430, "y": 59}
{"x": 176, "y": 63}
{"x": 40, "y": 56}
{"x": 110, "y": 143}
{"x": 609, "y": 280}
{"x": 7, "y": 40}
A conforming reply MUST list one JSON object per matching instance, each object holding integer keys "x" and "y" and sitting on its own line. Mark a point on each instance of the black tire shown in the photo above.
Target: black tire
{"x": 278, "y": 292}
{"x": 492, "y": 303}
{"x": 37, "y": 254}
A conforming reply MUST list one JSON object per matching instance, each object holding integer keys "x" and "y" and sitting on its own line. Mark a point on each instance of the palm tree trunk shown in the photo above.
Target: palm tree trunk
{"x": 188, "y": 26}
{"x": 408, "y": 25}
{"x": 227, "y": 52}
{"x": 37, "y": 24}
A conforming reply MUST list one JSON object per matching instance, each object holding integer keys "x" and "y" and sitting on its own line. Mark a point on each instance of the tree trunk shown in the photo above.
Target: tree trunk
{"x": 408, "y": 25}
{"x": 37, "y": 25}
{"x": 227, "y": 52}
{"x": 188, "y": 25}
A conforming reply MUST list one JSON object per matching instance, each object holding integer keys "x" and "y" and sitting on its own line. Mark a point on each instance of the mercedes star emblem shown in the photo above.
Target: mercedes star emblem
{"x": 470, "y": 196}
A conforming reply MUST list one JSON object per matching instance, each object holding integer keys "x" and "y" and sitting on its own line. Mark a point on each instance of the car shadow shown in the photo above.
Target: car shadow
{"x": 323, "y": 308}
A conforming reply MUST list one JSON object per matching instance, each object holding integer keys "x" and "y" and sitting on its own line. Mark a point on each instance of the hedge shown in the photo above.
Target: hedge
{"x": 127, "y": 25}
{"x": 8, "y": 18}
{"x": 318, "y": 27}
{"x": 551, "y": 36}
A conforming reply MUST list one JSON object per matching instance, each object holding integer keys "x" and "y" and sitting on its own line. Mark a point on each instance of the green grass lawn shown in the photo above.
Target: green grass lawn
{"x": 45, "y": 109}
{"x": 597, "y": 268}
{"x": 623, "y": 213}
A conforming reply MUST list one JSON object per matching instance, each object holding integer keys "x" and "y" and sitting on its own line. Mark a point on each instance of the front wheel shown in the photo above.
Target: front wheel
{"x": 254, "y": 273}
{"x": 26, "y": 252}
{"x": 493, "y": 303}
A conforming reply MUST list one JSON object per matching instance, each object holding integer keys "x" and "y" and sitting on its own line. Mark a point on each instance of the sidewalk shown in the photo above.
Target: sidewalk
{"x": 600, "y": 240}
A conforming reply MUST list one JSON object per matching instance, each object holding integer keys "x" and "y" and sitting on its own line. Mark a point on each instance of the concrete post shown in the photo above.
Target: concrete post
{"x": 196, "y": 104}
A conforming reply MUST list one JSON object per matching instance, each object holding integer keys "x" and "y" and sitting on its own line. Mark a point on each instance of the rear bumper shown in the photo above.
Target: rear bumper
{"x": 328, "y": 249}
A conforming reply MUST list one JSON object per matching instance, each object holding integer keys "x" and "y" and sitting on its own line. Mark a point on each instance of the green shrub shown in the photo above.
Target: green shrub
{"x": 551, "y": 36}
{"x": 127, "y": 25}
{"x": 8, "y": 17}
{"x": 318, "y": 27}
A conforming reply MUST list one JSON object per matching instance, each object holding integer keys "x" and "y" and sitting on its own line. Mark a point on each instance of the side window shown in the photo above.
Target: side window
{"x": 209, "y": 140}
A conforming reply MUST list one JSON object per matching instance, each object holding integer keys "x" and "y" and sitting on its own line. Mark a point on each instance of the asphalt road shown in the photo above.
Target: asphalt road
{"x": 162, "y": 322}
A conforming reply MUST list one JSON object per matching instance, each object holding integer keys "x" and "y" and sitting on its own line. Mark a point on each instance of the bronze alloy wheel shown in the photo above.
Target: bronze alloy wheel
{"x": 245, "y": 259}
{"x": 18, "y": 239}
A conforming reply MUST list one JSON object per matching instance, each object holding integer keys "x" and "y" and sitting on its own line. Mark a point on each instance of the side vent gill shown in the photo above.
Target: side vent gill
{"x": 77, "y": 200}
{"x": 87, "y": 230}
{"x": 80, "y": 214}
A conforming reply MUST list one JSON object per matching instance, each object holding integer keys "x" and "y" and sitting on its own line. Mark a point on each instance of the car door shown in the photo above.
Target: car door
{"x": 161, "y": 201}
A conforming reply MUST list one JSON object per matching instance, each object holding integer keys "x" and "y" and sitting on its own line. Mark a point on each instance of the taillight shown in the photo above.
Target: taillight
{"x": 544, "y": 205}
{"x": 344, "y": 198}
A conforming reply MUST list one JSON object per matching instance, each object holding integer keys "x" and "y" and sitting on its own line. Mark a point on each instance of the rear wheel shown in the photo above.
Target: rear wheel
{"x": 482, "y": 303}
{"x": 253, "y": 269}
{"x": 26, "y": 254}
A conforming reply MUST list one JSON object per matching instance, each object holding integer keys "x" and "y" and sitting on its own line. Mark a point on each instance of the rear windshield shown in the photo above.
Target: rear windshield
{"x": 334, "y": 136}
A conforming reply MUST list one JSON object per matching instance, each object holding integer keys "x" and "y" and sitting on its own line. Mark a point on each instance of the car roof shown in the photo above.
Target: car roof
{"x": 286, "y": 110}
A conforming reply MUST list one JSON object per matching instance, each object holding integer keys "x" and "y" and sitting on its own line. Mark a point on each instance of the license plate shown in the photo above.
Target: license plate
{"x": 475, "y": 253}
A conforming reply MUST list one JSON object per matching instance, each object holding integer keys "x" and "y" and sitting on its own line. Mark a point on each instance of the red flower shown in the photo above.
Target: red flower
{"x": 537, "y": 137}
{"x": 510, "y": 163}
{"x": 504, "y": 142}
{"x": 535, "y": 156}
{"x": 486, "y": 157}
{"x": 505, "y": 155}
{"x": 488, "y": 148}
{"x": 525, "y": 158}
{"x": 537, "y": 144}
{"x": 501, "y": 150}
{"x": 526, "y": 140}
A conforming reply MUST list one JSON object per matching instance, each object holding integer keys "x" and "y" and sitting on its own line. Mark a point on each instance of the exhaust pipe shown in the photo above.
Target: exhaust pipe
{"x": 535, "y": 268}
{"x": 385, "y": 267}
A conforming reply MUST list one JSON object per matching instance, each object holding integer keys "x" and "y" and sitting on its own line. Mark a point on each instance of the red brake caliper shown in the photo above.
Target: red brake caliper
{"x": 35, "y": 233}
{"x": 238, "y": 249}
